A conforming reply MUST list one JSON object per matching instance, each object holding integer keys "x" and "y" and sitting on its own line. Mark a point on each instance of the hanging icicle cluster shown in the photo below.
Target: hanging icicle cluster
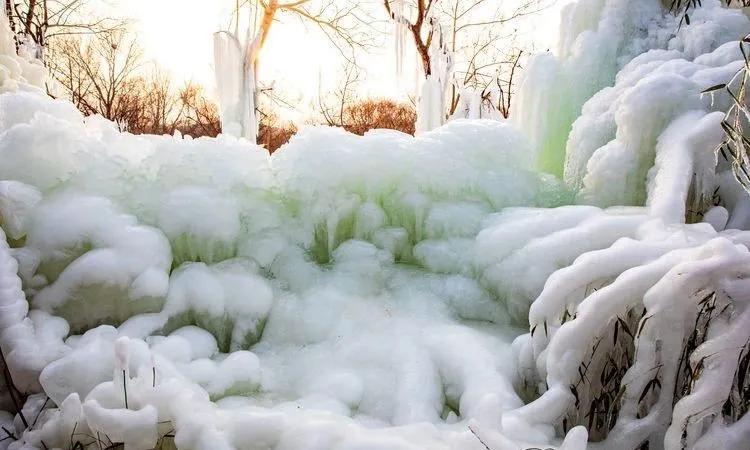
{"x": 400, "y": 35}
{"x": 431, "y": 110}
{"x": 235, "y": 69}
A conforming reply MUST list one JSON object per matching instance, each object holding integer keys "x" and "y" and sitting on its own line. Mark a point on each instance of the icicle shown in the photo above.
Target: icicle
{"x": 250, "y": 124}
{"x": 400, "y": 31}
{"x": 400, "y": 39}
{"x": 27, "y": 48}
{"x": 228, "y": 70}
{"x": 234, "y": 65}
{"x": 431, "y": 111}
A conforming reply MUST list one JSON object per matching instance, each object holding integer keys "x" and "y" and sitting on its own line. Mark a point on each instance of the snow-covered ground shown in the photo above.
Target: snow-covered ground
{"x": 385, "y": 291}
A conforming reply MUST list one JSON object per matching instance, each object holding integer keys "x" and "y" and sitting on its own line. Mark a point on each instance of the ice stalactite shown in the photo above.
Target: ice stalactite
{"x": 474, "y": 103}
{"x": 596, "y": 39}
{"x": 436, "y": 73}
{"x": 235, "y": 69}
{"x": 580, "y": 98}
{"x": 400, "y": 36}
{"x": 431, "y": 109}
{"x": 469, "y": 104}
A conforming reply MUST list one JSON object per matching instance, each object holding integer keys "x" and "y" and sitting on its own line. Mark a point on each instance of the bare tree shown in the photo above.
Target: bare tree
{"x": 333, "y": 104}
{"x": 238, "y": 59}
{"x": 422, "y": 35}
{"x": 164, "y": 108}
{"x": 478, "y": 35}
{"x": 342, "y": 108}
{"x": 487, "y": 98}
{"x": 482, "y": 36}
{"x": 201, "y": 116}
{"x": 506, "y": 85}
{"x": 43, "y": 20}
{"x": 99, "y": 74}
{"x": 8, "y": 9}
{"x": 345, "y": 23}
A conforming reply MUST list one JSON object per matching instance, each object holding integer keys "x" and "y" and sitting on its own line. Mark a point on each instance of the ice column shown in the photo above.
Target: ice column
{"x": 234, "y": 65}
{"x": 431, "y": 108}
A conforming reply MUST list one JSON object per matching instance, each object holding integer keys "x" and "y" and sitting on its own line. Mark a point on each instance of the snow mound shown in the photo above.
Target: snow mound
{"x": 18, "y": 72}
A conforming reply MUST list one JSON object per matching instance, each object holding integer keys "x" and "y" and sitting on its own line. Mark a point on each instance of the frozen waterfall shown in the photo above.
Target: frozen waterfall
{"x": 579, "y": 273}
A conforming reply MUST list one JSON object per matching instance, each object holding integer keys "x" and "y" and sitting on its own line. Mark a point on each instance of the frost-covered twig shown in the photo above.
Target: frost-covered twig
{"x": 736, "y": 145}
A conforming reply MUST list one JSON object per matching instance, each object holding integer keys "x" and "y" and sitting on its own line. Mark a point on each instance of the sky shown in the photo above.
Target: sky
{"x": 297, "y": 58}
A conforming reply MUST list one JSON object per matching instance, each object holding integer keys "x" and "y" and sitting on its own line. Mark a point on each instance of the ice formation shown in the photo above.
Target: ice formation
{"x": 374, "y": 292}
{"x": 432, "y": 96}
{"x": 432, "y": 78}
{"x": 234, "y": 67}
{"x": 474, "y": 103}
{"x": 17, "y": 72}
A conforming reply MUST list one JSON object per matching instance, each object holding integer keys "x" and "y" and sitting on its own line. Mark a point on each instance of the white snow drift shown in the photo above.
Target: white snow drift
{"x": 373, "y": 292}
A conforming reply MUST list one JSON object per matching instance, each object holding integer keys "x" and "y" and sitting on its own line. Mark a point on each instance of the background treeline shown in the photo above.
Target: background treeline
{"x": 97, "y": 64}
{"x": 105, "y": 74}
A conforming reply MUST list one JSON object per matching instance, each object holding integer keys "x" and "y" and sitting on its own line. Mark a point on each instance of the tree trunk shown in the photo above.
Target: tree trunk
{"x": 29, "y": 17}
{"x": 9, "y": 15}
{"x": 265, "y": 25}
{"x": 424, "y": 52}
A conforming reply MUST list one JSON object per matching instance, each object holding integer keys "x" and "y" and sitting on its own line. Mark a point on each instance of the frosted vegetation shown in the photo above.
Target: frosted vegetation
{"x": 475, "y": 287}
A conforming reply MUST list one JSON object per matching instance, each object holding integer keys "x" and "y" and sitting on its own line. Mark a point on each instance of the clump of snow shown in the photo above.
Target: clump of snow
{"x": 18, "y": 72}
{"x": 371, "y": 292}
{"x": 16, "y": 202}
{"x": 650, "y": 92}
{"x": 91, "y": 268}
{"x": 228, "y": 299}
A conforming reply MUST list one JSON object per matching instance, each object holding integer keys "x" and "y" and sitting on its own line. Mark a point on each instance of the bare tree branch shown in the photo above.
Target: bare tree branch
{"x": 44, "y": 20}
